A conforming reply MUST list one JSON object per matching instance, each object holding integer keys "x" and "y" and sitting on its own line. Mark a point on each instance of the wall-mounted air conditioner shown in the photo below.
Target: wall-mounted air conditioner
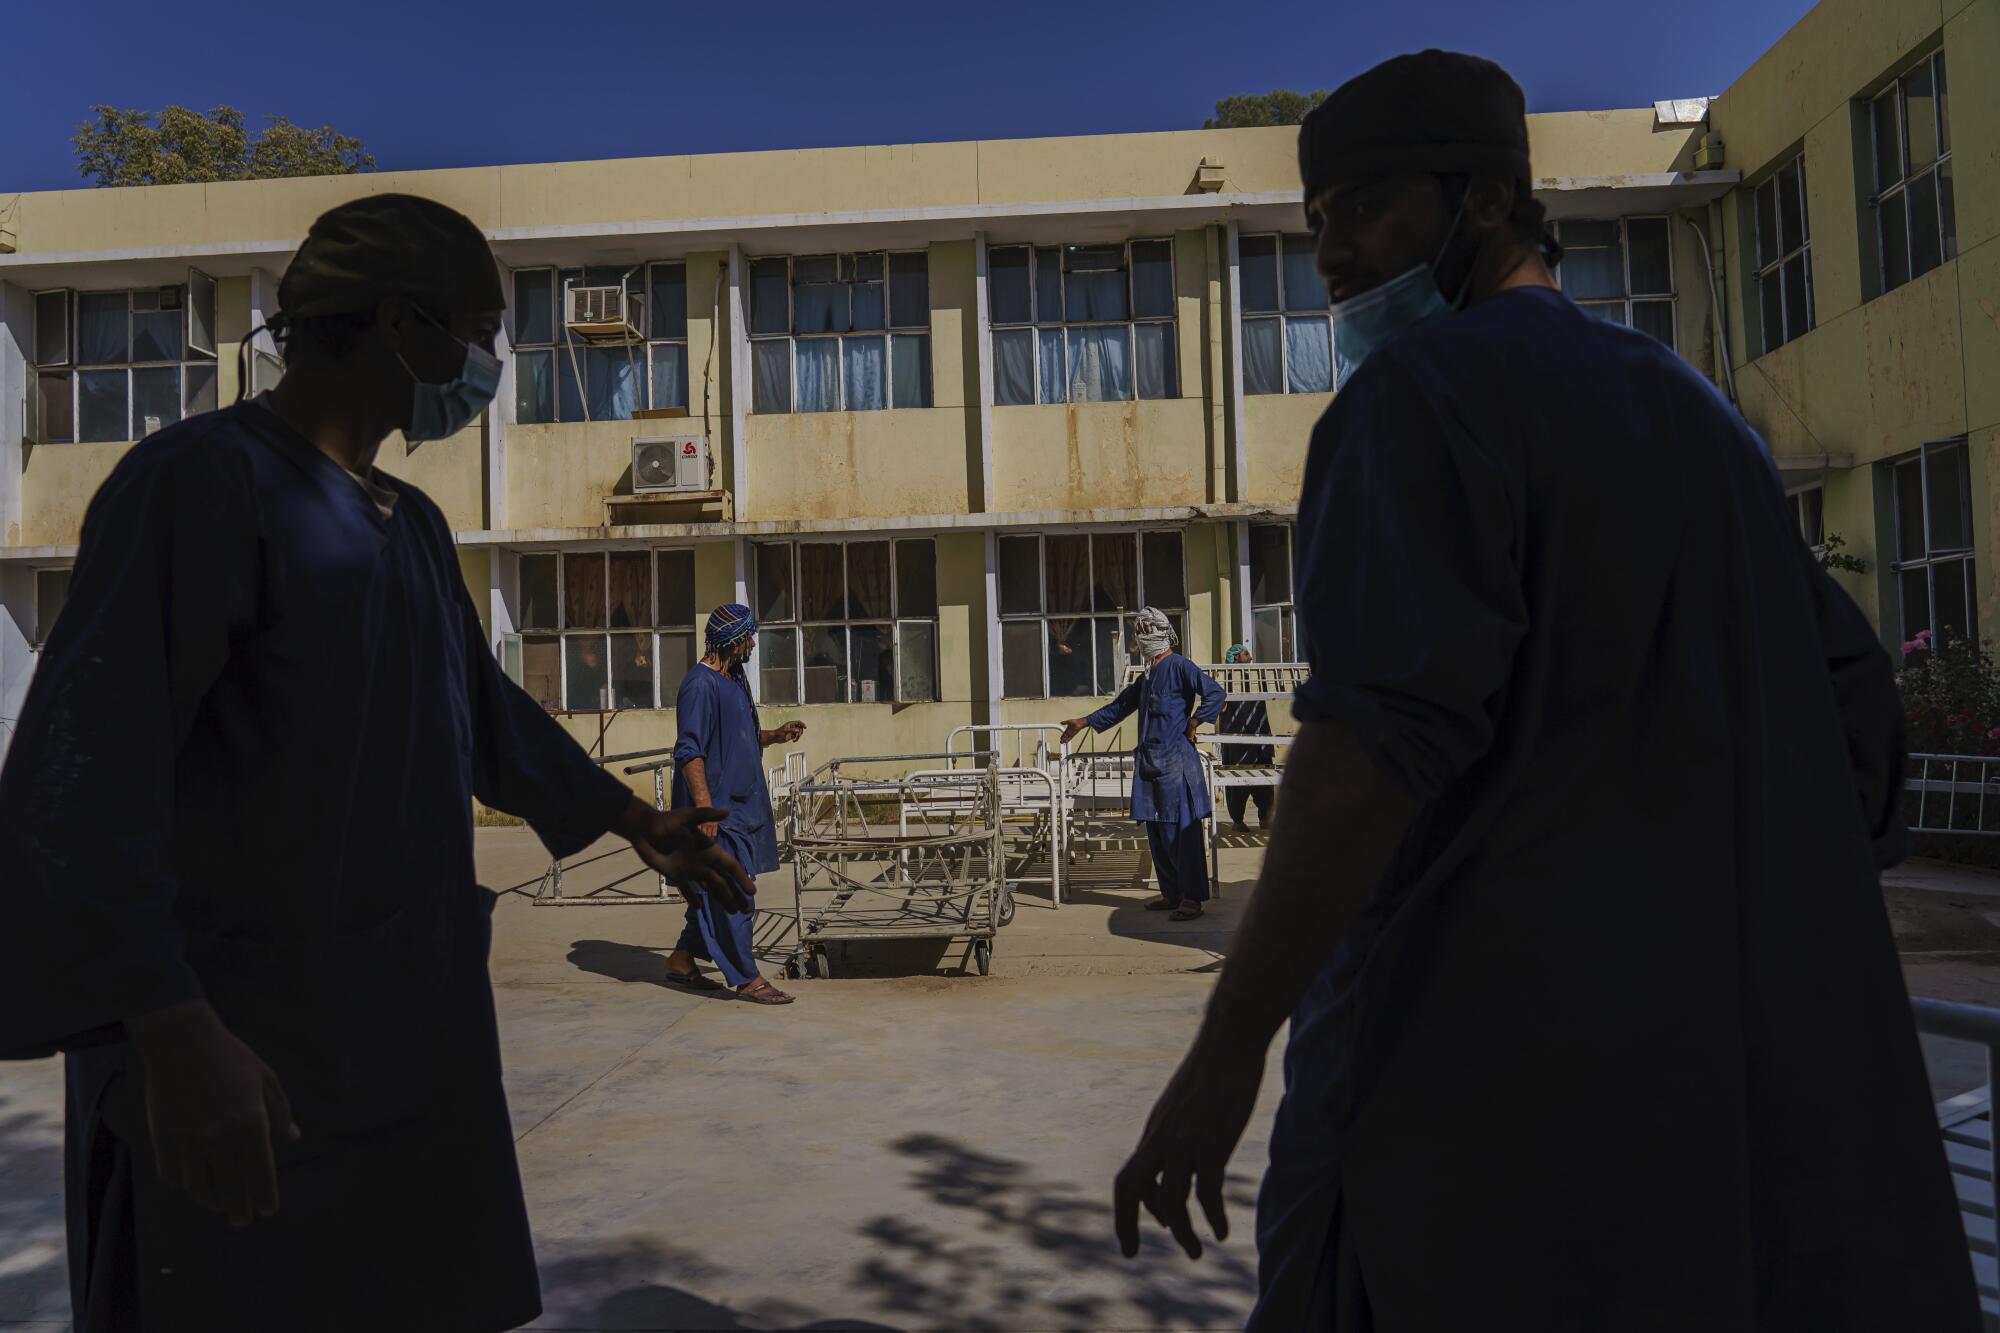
{"x": 665, "y": 464}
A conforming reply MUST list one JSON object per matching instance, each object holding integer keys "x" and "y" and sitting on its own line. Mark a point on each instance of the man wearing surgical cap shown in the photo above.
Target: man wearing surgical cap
{"x": 236, "y": 821}
{"x": 1574, "y": 911}
{"x": 719, "y": 761}
{"x": 1169, "y": 786}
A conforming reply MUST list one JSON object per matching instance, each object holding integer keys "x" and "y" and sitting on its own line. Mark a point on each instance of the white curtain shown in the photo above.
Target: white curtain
{"x": 773, "y": 373}
{"x": 1155, "y": 344}
{"x": 612, "y": 382}
{"x": 1055, "y": 373}
{"x": 1308, "y": 354}
{"x": 911, "y": 355}
{"x": 1013, "y": 366}
{"x": 1263, "y": 369}
{"x": 1100, "y": 364}
{"x": 819, "y": 375}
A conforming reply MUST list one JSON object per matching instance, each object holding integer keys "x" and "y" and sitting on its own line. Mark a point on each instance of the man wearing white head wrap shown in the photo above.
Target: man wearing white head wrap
{"x": 1169, "y": 789}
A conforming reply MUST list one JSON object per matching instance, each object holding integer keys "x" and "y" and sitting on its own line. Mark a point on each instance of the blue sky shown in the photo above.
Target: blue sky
{"x": 443, "y": 83}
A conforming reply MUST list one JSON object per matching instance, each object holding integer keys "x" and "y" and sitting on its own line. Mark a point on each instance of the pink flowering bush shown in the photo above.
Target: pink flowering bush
{"x": 1951, "y": 696}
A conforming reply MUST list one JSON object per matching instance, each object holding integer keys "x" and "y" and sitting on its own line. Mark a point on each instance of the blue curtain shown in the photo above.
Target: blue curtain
{"x": 1155, "y": 347}
{"x": 819, "y": 308}
{"x": 910, "y": 290}
{"x": 612, "y": 383}
{"x": 1095, "y": 294}
{"x": 1308, "y": 354}
{"x": 1013, "y": 366}
{"x": 867, "y": 299}
{"x": 910, "y": 354}
{"x": 769, "y": 284}
{"x": 1305, "y": 289}
{"x": 1007, "y": 285}
{"x": 101, "y": 329}
{"x": 534, "y": 387}
{"x": 1152, "y": 278}
{"x": 1100, "y": 364}
{"x": 771, "y": 369}
{"x": 819, "y": 375}
{"x": 670, "y": 374}
{"x": 867, "y": 373}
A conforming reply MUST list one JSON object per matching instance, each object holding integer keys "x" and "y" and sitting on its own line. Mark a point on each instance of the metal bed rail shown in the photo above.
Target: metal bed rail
{"x": 1953, "y": 794}
{"x": 1966, "y": 1121}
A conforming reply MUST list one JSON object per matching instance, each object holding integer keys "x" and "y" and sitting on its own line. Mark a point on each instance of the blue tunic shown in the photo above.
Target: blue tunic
{"x": 718, "y": 725}
{"x": 245, "y": 771}
{"x": 1167, "y": 780}
{"x": 1621, "y": 1040}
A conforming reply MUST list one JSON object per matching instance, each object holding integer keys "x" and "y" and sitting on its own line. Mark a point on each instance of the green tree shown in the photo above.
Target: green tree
{"x": 1280, "y": 106}
{"x": 179, "y": 146}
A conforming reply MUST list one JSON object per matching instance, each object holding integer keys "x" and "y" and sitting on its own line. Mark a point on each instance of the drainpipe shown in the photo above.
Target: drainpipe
{"x": 1716, "y": 311}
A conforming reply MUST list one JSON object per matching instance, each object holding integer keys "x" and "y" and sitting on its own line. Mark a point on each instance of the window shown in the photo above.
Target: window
{"x": 1621, "y": 269}
{"x": 1933, "y": 565}
{"x": 1287, "y": 333}
{"x": 1914, "y": 226}
{"x": 120, "y": 365}
{"x": 1066, "y": 600}
{"x": 834, "y": 333}
{"x": 606, "y": 629}
{"x": 51, "y": 592}
{"x": 560, "y": 377}
{"x": 1274, "y": 628}
{"x": 1808, "y": 510}
{"x": 1082, "y": 323}
{"x": 847, "y": 622}
{"x": 1784, "y": 255}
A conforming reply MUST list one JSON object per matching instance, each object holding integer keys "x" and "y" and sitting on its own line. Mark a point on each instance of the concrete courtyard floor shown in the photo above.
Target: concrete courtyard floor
{"x": 904, "y": 1148}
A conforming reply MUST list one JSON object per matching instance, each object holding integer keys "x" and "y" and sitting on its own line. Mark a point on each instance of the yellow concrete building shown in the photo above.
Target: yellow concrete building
{"x": 943, "y": 412}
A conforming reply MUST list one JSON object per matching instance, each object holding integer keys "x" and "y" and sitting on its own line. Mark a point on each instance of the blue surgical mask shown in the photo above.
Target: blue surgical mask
{"x": 1363, "y": 323}
{"x": 441, "y": 410}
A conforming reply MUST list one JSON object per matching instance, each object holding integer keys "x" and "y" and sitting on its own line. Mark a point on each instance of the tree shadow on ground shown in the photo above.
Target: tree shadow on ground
{"x": 34, "y": 1276}
{"x": 941, "y": 1280}
{"x": 619, "y": 1289}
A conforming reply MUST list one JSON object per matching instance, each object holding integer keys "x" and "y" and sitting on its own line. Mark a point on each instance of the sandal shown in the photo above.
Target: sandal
{"x": 1161, "y": 905}
{"x": 692, "y": 981}
{"x": 761, "y": 991}
{"x": 1184, "y": 914}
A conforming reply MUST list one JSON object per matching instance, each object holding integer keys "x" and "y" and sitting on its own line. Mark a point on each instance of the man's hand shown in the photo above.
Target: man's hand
{"x": 1193, "y": 727}
{"x": 678, "y": 844}
{"x": 790, "y": 732}
{"x": 1071, "y": 727}
{"x": 1188, "y": 1139}
{"x": 213, "y": 1109}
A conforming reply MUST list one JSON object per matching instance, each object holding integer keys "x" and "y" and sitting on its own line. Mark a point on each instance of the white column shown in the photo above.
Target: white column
{"x": 991, "y": 614}
{"x": 1245, "y": 622}
{"x": 754, "y": 665}
{"x": 496, "y": 433}
{"x": 503, "y": 590}
{"x": 17, "y": 338}
{"x": 983, "y": 503}
{"x": 1232, "y": 383}
{"x": 739, "y": 392}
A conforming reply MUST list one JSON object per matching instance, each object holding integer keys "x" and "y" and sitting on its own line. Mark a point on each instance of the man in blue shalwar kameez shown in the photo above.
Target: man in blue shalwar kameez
{"x": 1169, "y": 787}
{"x": 1597, "y": 1023}
{"x": 236, "y": 858}
{"x": 720, "y": 755}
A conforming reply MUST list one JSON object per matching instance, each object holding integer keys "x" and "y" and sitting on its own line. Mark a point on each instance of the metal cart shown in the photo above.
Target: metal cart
{"x": 882, "y": 854}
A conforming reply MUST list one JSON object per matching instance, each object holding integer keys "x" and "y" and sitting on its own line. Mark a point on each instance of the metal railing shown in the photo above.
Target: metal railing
{"x": 1953, "y": 794}
{"x": 1966, "y": 1121}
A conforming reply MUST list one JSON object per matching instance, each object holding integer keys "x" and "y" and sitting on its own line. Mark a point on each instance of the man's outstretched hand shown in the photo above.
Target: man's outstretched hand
{"x": 1187, "y": 1142}
{"x": 673, "y": 843}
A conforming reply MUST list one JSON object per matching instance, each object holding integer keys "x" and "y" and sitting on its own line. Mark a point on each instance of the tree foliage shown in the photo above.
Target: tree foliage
{"x": 1280, "y": 106}
{"x": 179, "y": 146}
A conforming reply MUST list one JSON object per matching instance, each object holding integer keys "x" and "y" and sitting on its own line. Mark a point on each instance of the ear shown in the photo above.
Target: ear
{"x": 1489, "y": 201}
{"x": 391, "y": 313}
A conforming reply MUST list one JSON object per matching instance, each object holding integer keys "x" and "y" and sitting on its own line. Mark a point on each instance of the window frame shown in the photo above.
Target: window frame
{"x": 888, "y": 333}
{"x": 523, "y": 633}
{"x": 1288, "y": 626}
{"x": 1282, "y": 316}
{"x": 1768, "y": 267}
{"x": 1811, "y": 518}
{"x": 1041, "y": 617}
{"x": 44, "y": 624}
{"x": 558, "y": 349}
{"x": 1898, "y": 191}
{"x": 799, "y": 627}
{"x": 1671, "y": 298}
{"x": 1036, "y": 324}
{"x": 1963, "y": 560}
{"x": 194, "y": 392}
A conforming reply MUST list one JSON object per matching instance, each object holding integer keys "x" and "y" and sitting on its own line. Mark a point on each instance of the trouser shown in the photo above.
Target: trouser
{"x": 715, "y": 933}
{"x": 1239, "y": 798}
{"x": 1180, "y": 859}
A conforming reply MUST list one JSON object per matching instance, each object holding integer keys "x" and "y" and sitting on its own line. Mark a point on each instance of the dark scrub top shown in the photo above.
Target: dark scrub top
{"x": 1621, "y": 1040}
{"x": 718, "y": 725}
{"x": 1168, "y": 784}
{"x": 244, "y": 771}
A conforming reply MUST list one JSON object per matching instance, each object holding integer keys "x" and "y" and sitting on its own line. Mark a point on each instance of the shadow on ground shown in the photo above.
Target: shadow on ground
{"x": 34, "y": 1280}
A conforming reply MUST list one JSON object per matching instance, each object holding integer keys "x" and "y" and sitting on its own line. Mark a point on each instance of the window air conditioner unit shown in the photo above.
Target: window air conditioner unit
{"x": 605, "y": 314}
{"x": 666, "y": 464}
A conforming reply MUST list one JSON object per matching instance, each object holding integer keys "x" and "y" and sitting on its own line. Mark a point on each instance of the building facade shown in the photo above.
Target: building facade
{"x": 943, "y": 413}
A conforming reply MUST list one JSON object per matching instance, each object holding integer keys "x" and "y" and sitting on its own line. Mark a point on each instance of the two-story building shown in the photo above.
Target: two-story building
{"x": 943, "y": 413}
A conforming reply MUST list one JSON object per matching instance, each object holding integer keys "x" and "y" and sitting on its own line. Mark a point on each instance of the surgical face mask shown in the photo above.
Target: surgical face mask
{"x": 441, "y": 410}
{"x": 1363, "y": 323}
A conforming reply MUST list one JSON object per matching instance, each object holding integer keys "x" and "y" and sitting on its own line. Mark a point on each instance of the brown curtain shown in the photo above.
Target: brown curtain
{"x": 868, "y": 580}
{"x": 820, "y": 592}
{"x": 1114, "y": 575}
{"x": 631, "y": 589}
{"x": 583, "y": 592}
{"x": 1066, "y": 567}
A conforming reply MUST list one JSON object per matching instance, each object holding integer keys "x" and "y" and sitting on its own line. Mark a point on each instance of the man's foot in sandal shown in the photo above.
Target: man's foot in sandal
{"x": 1186, "y": 912}
{"x": 760, "y": 991}
{"x": 694, "y": 981}
{"x": 1162, "y": 905}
